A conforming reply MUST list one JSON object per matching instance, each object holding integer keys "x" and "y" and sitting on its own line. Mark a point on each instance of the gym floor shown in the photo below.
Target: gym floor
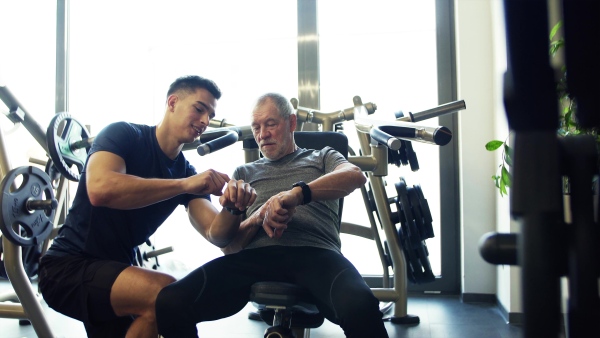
{"x": 443, "y": 316}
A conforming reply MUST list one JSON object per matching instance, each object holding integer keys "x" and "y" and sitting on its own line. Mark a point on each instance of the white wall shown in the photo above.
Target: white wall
{"x": 481, "y": 63}
{"x": 475, "y": 75}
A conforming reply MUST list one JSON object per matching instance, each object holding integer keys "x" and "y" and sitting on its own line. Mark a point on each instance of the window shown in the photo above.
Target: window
{"x": 27, "y": 69}
{"x": 384, "y": 52}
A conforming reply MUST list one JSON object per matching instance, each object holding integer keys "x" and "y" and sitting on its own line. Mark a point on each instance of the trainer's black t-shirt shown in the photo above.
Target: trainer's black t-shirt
{"x": 113, "y": 234}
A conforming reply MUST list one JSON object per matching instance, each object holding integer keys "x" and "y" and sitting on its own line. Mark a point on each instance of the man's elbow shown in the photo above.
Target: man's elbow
{"x": 98, "y": 197}
{"x": 358, "y": 177}
{"x": 220, "y": 241}
{"x": 228, "y": 250}
{"x": 221, "y": 244}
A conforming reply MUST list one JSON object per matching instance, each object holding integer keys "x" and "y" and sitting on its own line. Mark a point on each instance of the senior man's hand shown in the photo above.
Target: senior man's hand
{"x": 237, "y": 195}
{"x": 278, "y": 211}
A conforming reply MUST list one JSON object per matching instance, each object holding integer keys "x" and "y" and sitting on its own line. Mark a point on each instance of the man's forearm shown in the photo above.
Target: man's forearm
{"x": 337, "y": 184}
{"x": 223, "y": 229}
{"x": 122, "y": 191}
{"x": 247, "y": 230}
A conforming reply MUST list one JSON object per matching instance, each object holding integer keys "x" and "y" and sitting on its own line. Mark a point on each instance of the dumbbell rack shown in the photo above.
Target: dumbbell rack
{"x": 29, "y": 307}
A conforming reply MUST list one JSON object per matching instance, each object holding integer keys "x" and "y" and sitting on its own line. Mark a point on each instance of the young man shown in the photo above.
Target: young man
{"x": 290, "y": 236}
{"x": 135, "y": 176}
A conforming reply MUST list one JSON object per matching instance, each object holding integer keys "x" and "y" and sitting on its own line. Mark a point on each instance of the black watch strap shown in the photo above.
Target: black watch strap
{"x": 235, "y": 211}
{"x": 305, "y": 191}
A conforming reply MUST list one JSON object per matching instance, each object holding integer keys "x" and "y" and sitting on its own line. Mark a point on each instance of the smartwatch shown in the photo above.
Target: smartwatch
{"x": 305, "y": 191}
{"x": 235, "y": 211}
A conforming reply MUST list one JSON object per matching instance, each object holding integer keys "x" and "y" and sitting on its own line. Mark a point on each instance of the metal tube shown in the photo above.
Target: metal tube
{"x": 13, "y": 261}
{"x": 443, "y": 109}
{"x": 28, "y": 122}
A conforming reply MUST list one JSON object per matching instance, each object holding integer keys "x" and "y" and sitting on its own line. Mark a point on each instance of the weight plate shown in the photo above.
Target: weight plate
{"x": 20, "y": 224}
{"x": 61, "y": 136}
{"x": 402, "y": 154}
{"x": 412, "y": 157}
{"x": 425, "y": 211}
{"x": 414, "y": 205}
{"x": 411, "y": 228}
{"x": 425, "y": 275}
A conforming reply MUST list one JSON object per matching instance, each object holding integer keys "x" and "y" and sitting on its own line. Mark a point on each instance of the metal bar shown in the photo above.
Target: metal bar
{"x": 61, "y": 103}
{"x": 28, "y": 122}
{"x": 13, "y": 262}
{"x": 308, "y": 59}
{"x": 449, "y": 280}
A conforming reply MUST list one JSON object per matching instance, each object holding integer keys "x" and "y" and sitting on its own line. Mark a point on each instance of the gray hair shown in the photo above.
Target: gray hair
{"x": 284, "y": 107}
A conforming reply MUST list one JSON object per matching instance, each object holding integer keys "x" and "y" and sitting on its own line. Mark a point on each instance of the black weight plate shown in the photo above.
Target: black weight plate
{"x": 414, "y": 206}
{"x": 60, "y": 144}
{"x": 413, "y": 266}
{"x": 20, "y": 225}
{"x": 425, "y": 275}
{"x": 425, "y": 227}
{"x": 402, "y": 153}
{"x": 412, "y": 231}
{"x": 412, "y": 157}
{"x": 428, "y": 219}
{"x": 418, "y": 267}
{"x": 394, "y": 157}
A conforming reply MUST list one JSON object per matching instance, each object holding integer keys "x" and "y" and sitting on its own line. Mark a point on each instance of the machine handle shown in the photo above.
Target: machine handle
{"x": 410, "y": 132}
{"x": 228, "y": 138}
{"x": 384, "y": 138}
{"x": 499, "y": 248}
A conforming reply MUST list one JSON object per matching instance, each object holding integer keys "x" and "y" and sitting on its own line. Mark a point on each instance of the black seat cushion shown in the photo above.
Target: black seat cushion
{"x": 288, "y": 297}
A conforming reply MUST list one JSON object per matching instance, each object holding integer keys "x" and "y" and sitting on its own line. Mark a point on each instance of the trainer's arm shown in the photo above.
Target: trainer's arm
{"x": 108, "y": 185}
{"x": 220, "y": 228}
{"x": 247, "y": 230}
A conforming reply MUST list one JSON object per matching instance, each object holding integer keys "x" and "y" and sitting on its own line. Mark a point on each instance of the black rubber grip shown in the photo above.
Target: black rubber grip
{"x": 220, "y": 142}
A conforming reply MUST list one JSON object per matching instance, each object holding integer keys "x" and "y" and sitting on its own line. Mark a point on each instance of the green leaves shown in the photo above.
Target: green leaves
{"x": 555, "y": 29}
{"x": 555, "y": 45}
{"x": 504, "y": 178}
{"x": 493, "y": 145}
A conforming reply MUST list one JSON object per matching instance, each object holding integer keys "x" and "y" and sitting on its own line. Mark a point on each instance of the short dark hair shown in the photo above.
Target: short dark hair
{"x": 191, "y": 83}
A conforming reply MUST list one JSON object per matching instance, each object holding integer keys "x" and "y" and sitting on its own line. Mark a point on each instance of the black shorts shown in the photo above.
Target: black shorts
{"x": 79, "y": 287}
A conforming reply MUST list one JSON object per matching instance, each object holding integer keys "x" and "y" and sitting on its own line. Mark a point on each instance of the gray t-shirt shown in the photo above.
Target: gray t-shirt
{"x": 315, "y": 224}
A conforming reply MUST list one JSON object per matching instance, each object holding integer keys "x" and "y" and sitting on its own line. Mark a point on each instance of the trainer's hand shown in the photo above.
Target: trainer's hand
{"x": 208, "y": 182}
{"x": 278, "y": 211}
{"x": 238, "y": 194}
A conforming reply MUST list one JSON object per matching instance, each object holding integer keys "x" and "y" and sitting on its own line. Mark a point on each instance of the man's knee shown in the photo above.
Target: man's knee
{"x": 173, "y": 315}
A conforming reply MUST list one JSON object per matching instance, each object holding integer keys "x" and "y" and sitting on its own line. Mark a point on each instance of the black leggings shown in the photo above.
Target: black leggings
{"x": 221, "y": 288}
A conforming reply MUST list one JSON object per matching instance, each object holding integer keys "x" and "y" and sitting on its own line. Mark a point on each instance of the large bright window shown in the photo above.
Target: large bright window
{"x": 385, "y": 52}
{"x": 27, "y": 69}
